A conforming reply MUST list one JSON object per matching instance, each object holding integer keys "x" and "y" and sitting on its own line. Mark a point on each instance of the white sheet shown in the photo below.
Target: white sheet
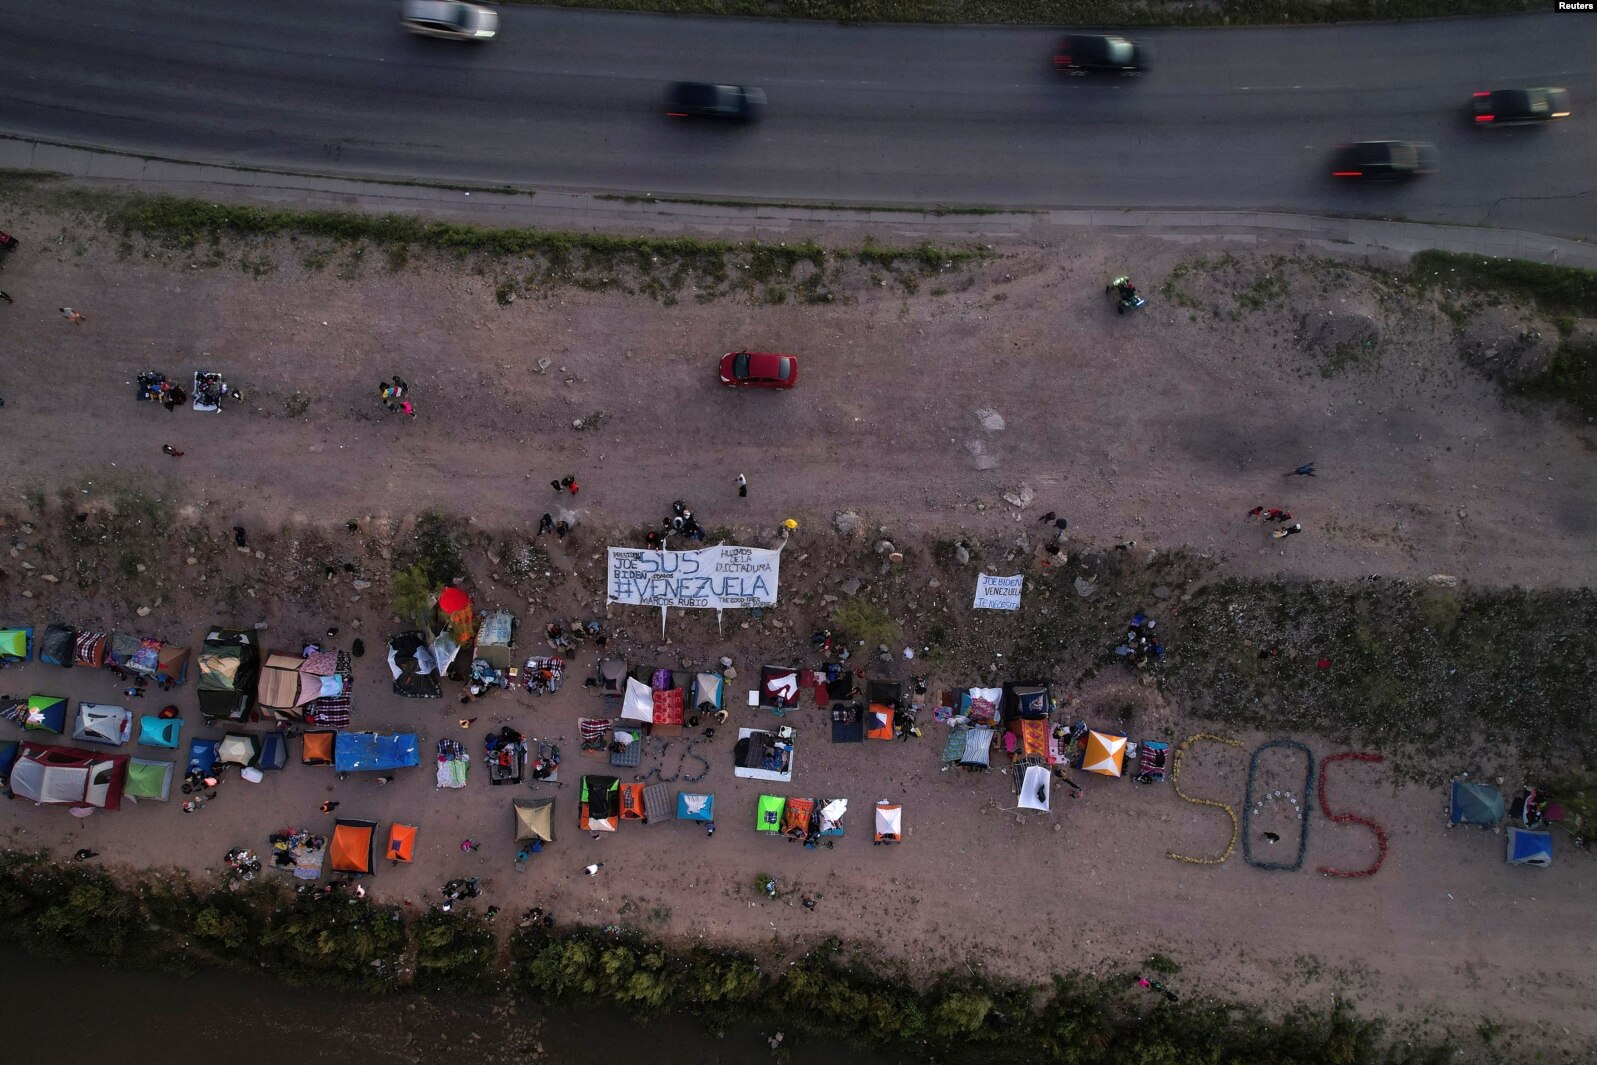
{"x": 1036, "y": 788}
{"x": 638, "y": 702}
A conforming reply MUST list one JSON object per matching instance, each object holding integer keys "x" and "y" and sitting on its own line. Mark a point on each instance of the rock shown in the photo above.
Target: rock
{"x": 354, "y": 599}
{"x": 141, "y": 567}
{"x": 27, "y": 529}
{"x": 962, "y": 554}
{"x": 881, "y": 648}
{"x": 1023, "y": 543}
{"x": 1085, "y": 588}
{"x": 980, "y": 457}
{"x": 260, "y": 626}
{"x": 934, "y": 583}
{"x": 1161, "y": 591}
{"x": 50, "y": 578}
{"x": 243, "y": 550}
{"x": 884, "y": 547}
{"x": 26, "y": 594}
{"x": 850, "y": 586}
{"x": 360, "y": 586}
{"x": 1442, "y": 580}
{"x": 15, "y": 553}
{"x": 260, "y": 554}
{"x": 990, "y": 420}
{"x": 845, "y": 522}
{"x": 730, "y": 673}
{"x": 1020, "y": 497}
{"x": 192, "y": 561}
{"x": 143, "y": 611}
{"x": 27, "y": 565}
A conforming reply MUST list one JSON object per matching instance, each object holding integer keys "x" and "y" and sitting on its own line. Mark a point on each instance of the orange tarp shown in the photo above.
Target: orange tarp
{"x": 632, "y": 802}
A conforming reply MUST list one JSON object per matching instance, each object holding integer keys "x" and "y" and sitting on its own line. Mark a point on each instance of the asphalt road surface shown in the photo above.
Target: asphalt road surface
{"x": 878, "y": 114}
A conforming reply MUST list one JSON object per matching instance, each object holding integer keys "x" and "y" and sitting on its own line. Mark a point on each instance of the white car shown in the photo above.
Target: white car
{"x": 452, "y": 19}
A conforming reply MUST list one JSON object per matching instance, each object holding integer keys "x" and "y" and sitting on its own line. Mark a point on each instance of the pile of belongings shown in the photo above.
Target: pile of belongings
{"x": 209, "y": 391}
{"x": 453, "y": 761}
{"x": 595, "y": 734}
{"x": 543, "y": 674}
{"x": 506, "y": 756}
{"x": 154, "y": 387}
{"x": 299, "y": 851}
{"x": 485, "y": 676}
{"x": 547, "y": 765}
{"x": 1142, "y": 645}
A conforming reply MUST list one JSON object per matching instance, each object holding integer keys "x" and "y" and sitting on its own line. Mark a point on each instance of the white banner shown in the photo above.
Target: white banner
{"x": 717, "y": 578}
{"x": 998, "y": 593}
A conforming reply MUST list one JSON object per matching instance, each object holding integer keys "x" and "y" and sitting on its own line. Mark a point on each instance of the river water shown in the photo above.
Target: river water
{"x": 68, "y": 1013}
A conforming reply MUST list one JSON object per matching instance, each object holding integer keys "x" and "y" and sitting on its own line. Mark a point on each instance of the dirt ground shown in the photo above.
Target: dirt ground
{"x": 1163, "y": 427}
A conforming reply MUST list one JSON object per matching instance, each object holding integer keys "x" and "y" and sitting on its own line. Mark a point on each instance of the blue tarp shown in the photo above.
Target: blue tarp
{"x": 357, "y": 751}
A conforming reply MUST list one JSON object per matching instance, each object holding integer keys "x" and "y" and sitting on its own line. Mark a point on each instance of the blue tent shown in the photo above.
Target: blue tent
{"x": 159, "y": 731}
{"x": 202, "y": 755}
{"x": 274, "y": 751}
{"x": 360, "y": 751}
{"x": 1526, "y": 847}
{"x": 8, "y": 757}
{"x": 1475, "y": 804}
{"x": 692, "y": 806}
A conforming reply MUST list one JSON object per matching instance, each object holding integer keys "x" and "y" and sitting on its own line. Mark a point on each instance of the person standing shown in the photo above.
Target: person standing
{"x": 743, "y": 486}
{"x": 789, "y": 526}
{"x": 546, "y": 524}
{"x": 73, "y": 316}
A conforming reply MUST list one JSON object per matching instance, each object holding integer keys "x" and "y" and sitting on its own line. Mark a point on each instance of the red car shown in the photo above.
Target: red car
{"x": 758, "y": 369}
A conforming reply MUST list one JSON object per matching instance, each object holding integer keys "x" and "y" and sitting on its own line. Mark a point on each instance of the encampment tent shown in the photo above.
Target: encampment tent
{"x": 1104, "y": 754}
{"x": 796, "y": 816}
{"x": 535, "y": 819}
{"x": 1026, "y": 702}
{"x": 46, "y": 713}
{"x": 768, "y": 814}
{"x": 356, "y": 752}
{"x": 148, "y": 779}
{"x": 889, "y": 822}
{"x": 159, "y": 731}
{"x": 69, "y": 776}
{"x": 709, "y": 692}
{"x": 351, "y": 848}
{"x": 230, "y": 666}
{"x": 495, "y": 638}
{"x": 99, "y": 723}
{"x": 57, "y": 645}
{"x": 779, "y": 688}
{"x": 239, "y": 748}
{"x": 274, "y": 751}
{"x": 761, "y": 755}
{"x": 1035, "y": 788}
{"x": 415, "y": 669}
{"x": 1475, "y": 804}
{"x": 162, "y": 662}
{"x": 16, "y": 646}
{"x": 401, "y": 843}
{"x": 601, "y": 804}
{"x": 695, "y": 806}
{"x": 883, "y": 698}
{"x": 1528, "y": 847}
{"x": 283, "y": 691}
{"x": 832, "y": 811}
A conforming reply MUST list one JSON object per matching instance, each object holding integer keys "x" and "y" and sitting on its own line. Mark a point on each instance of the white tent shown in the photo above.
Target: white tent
{"x": 1035, "y": 788}
{"x": 99, "y": 723}
{"x": 638, "y": 702}
{"x": 889, "y": 821}
{"x": 832, "y": 814}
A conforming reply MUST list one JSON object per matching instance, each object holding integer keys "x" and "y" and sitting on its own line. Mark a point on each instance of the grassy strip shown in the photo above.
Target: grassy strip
{"x": 1556, "y": 290}
{"x": 352, "y": 943}
{"x": 1070, "y": 12}
{"x": 859, "y": 208}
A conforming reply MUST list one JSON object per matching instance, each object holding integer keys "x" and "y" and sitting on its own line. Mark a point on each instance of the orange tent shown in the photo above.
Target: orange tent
{"x": 401, "y": 842}
{"x": 350, "y": 850}
{"x": 1105, "y": 754}
{"x": 879, "y": 724}
{"x": 796, "y": 817}
{"x": 632, "y": 802}
{"x": 318, "y": 749}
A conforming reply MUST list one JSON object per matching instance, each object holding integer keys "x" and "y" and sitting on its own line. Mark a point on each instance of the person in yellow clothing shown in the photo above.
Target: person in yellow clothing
{"x": 787, "y": 528}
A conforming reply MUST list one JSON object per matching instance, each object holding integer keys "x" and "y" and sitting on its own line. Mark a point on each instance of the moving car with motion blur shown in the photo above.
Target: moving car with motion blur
{"x": 1384, "y": 161}
{"x": 758, "y": 369}
{"x": 700, "y": 99}
{"x": 452, "y": 20}
{"x": 1518, "y": 107}
{"x": 1097, "y": 53}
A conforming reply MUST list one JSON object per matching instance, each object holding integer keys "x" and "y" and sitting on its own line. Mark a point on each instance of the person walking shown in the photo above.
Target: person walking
{"x": 73, "y": 316}
{"x": 469, "y": 845}
{"x": 546, "y": 524}
{"x": 4, "y": 295}
{"x": 1048, "y": 517}
{"x": 405, "y": 407}
{"x": 788, "y": 528}
{"x": 85, "y": 854}
{"x": 1305, "y": 470}
{"x": 743, "y": 486}
{"x": 571, "y": 485}
{"x": 170, "y": 450}
{"x": 329, "y": 806}
{"x": 1256, "y": 511}
{"x": 593, "y": 870}
{"x": 561, "y": 528}
{"x": 1289, "y": 530}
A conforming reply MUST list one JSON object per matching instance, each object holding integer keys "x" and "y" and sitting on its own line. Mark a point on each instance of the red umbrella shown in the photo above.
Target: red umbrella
{"x": 453, "y": 601}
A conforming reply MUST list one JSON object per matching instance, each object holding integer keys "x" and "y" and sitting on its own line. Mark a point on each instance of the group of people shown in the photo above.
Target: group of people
{"x": 680, "y": 523}
{"x": 1141, "y": 645}
{"x": 393, "y": 396}
{"x": 1279, "y": 517}
{"x": 547, "y": 523}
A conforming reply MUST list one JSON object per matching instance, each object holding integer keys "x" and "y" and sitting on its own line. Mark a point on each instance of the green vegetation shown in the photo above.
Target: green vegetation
{"x": 1555, "y": 290}
{"x": 1068, "y": 12}
{"x": 455, "y": 952}
{"x": 860, "y": 620}
{"x": 1571, "y": 376}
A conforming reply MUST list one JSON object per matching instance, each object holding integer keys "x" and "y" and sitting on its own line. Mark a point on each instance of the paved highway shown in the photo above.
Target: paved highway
{"x": 880, "y": 114}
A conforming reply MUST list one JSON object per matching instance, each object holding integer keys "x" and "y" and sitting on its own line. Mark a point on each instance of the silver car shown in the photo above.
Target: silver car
{"x": 452, "y": 19}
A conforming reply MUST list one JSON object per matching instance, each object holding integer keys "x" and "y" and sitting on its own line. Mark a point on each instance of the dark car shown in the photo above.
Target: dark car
{"x": 1384, "y": 160}
{"x": 1512, "y": 107}
{"x": 699, "y": 99}
{"x": 758, "y": 369}
{"x": 1090, "y": 53}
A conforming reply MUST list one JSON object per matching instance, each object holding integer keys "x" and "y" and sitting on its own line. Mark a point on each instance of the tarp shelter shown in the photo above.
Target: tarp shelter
{"x": 148, "y": 779}
{"x": 695, "y": 806}
{"x": 1035, "y": 788}
{"x": 46, "y": 713}
{"x": 495, "y": 637}
{"x": 69, "y": 776}
{"x": 638, "y": 702}
{"x": 709, "y": 692}
{"x": 1105, "y": 754}
{"x": 1475, "y": 804}
{"x": 16, "y": 645}
{"x": 283, "y": 690}
{"x": 165, "y": 663}
{"x": 768, "y": 813}
{"x": 761, "y": 755}
{"x": 274, "y": 751}
{"x": 230, "y": 667}
{"x": 601, "y": 804}
{"x": 238, "y": 748}
{"x": 796, "y": 814}
{"x": 779, "y": 688}
{"x": 535, "y": 819}
{"x": 414, "y": 666}
{"x": 56, "y": 646}
{"x": 351, "y": 848}
{"x": 317, "y": 748}
{"x": 889, "y": 822}
{"x": 99, "y": 723}
{"x": 832, "y": 811}
{"x": 401, "y": 843}
{"x": 359, "y": 752}
{"x": 159, "y": 731}
{"x": 1528, "y": 847}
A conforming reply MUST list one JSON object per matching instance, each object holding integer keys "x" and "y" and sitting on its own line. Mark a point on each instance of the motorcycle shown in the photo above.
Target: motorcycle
{"x": 1127, "y": 298}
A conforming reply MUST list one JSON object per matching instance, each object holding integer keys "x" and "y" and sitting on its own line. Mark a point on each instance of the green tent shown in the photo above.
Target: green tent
{"x": 16, "y": 645}
{"x": 148, "y": 779}
{"x": 768, "y": 816}
{"x": 1475, "y": 804}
